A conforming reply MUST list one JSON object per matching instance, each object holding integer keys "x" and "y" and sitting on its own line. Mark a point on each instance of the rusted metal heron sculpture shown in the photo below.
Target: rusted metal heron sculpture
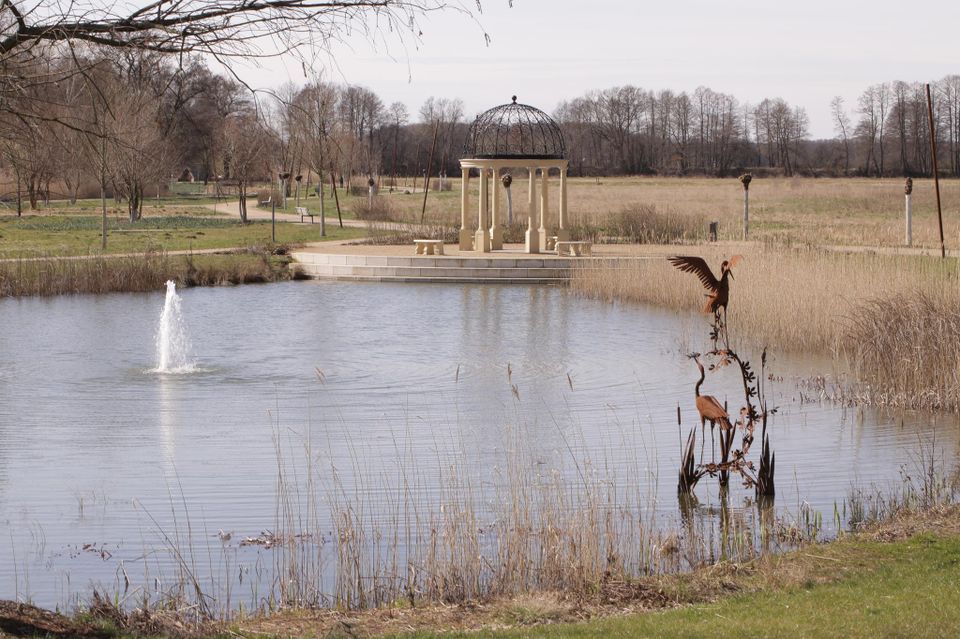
{"x": 718, "y": 290}
{"x": 709, "y": 408}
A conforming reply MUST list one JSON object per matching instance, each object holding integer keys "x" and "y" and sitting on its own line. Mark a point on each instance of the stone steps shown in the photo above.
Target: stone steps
{"x": 438, "y": 269}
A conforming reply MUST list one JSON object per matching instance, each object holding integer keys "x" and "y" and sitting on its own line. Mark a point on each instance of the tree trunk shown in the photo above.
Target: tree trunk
{"x": 242, "y": 187}
{"x": 134, "y": 203}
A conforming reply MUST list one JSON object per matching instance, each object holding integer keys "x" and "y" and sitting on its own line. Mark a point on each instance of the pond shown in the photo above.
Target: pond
{"x": 309, "y": 393}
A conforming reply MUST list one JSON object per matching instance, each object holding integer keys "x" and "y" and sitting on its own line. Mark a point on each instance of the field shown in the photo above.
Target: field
{"x": 791, "y": 211}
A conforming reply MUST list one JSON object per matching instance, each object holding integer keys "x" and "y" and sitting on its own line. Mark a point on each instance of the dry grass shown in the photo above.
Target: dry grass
{"x": 892, "y": 318}
{"x": 770, "y": 574}
{"x": 147, "y": 272}
{"x": 905, "y": 348}
{"x": 804, "y": 211}
{"x": 786, "y": 298}
{"x": 377, "y": 209}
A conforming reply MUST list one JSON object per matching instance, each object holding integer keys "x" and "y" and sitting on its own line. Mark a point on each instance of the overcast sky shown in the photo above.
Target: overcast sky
{"x": 547, "y": 51}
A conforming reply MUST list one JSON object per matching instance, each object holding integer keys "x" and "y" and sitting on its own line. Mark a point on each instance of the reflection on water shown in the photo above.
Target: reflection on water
{"x": 358, "y": 386}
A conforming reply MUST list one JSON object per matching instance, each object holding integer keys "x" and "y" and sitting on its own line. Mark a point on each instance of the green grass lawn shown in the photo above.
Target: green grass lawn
{"x": 60, "y": 235}
{"x": 165, "y": 206}
{"x": 909, "y": 588}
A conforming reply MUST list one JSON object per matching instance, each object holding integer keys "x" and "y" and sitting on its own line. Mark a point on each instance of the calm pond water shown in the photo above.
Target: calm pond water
{"x": 103, "y": 462}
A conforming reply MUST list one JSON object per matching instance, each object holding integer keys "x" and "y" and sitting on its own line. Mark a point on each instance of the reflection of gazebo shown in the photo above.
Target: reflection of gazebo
{"x": 512, "y": 136}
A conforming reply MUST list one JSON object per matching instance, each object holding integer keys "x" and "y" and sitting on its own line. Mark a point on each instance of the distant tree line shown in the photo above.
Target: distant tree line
{"x": 127, "y": 121}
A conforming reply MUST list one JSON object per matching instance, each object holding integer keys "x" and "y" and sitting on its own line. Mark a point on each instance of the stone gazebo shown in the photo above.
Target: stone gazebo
{"x": 512, "y": 136}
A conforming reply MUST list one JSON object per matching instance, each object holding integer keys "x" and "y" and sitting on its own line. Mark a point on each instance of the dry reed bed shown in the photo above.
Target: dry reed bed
{"x": 892, "y": 318}
{"x": 140, "y": 273}
{"x": 468, "y": 532}
{"x": 408, "y": 537}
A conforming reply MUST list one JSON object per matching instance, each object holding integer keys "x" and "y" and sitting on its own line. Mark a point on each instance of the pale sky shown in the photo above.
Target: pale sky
{"x": 547, "y": 51}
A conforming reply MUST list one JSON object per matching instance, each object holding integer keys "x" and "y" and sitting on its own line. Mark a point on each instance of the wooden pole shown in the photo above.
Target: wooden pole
{"x": 336, "y": 198}
{"x": 394, "y": 169}
{"x": 103, "y": 193}
{"x": 936, "y": 175}
{"x": 416, "y": 171}
{"x": 426, "y": 177}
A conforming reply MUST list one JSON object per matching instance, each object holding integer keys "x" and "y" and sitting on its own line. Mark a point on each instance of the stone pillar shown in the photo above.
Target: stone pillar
{"x": 481, "y": 239}
{"x": 466, "y": 234}
{"x": 532, "y": 236}
{"x": 563, "y": 232}
{"x": 496, "y": 228}
{"x": 544, "y": 208}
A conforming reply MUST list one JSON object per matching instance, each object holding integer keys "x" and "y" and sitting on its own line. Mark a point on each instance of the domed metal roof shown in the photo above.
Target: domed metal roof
{"x": 514, "y": 131}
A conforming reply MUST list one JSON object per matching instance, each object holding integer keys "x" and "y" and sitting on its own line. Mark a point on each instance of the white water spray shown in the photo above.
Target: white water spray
{"x": 173, "y": 345}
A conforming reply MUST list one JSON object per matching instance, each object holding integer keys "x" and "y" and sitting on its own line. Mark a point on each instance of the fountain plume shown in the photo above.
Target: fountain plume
{"x": 173, "y": 344}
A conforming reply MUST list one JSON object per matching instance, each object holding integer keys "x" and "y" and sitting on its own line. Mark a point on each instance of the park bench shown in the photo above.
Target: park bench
{"x": 303, "y": 212}
{"x": 426, "y": 247}
{"x": 574, "y": 248}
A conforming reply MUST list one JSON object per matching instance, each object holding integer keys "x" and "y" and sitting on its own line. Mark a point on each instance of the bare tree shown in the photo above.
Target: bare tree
{"x": 841, "y": 125}
{"x": 247, "y": 147}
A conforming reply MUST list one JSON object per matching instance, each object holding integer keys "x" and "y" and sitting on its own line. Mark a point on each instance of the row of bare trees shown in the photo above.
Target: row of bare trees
{"x": 115, "y": 94}
{"x": 126, "y": 121}
{"x": 891, "y": 133}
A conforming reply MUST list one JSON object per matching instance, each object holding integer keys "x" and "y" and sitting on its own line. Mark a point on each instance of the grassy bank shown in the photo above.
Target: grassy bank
{"x": 147, "y": 272}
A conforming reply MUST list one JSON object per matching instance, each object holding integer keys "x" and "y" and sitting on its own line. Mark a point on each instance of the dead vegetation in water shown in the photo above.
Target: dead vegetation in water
{"x": 614, "y": 596}
{"x": 905, "y": 349}
{"x": 810, "y": 566}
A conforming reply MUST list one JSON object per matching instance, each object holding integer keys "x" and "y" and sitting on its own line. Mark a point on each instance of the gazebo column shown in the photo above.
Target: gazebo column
{"x": 544, "y": 229}
{"x": 466, "y": 234}
{"x": 532, "y": 236}
{"x": 563, "y": 233}
{"x": 481, "y": 239}
{"x": 496, "y": 231}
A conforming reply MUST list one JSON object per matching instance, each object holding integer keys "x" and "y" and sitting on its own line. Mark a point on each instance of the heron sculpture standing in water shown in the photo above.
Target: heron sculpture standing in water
{"x": 709, "y": 408}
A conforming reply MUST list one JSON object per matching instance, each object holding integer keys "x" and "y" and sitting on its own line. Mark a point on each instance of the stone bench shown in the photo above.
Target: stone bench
{"x": 574, "y": 248}
{"x": 303, "y": 212}
{"x": 426, "y": 247}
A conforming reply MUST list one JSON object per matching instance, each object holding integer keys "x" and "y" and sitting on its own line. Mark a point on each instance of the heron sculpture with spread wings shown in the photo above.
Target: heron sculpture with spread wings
{"x": 718, "y": 290}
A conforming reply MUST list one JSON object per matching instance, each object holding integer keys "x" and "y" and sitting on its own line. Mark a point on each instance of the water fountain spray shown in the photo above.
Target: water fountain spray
{"x": 173, "y": 345}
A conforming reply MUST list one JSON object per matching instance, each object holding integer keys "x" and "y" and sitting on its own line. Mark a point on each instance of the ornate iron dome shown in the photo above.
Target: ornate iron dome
{"x": 514, "y": 131}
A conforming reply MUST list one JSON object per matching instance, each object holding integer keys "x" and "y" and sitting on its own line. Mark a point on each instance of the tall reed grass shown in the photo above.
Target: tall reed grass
{"x": 905, "y": 348}
{"x": 403, "y": 536}
{"x": 892, "y": 318}
{"x": 135, "y": 273}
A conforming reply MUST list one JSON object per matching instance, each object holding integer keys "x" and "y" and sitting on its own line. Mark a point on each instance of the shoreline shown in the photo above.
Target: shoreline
{"x": 903, "y": 544}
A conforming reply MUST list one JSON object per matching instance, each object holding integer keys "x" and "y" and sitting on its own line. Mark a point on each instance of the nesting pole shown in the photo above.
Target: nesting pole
{"x": 745, "y": 180}
{"x": 507, "y": 181}
{"x": 908, "y": 190}
{"x": 936, "y": 173}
